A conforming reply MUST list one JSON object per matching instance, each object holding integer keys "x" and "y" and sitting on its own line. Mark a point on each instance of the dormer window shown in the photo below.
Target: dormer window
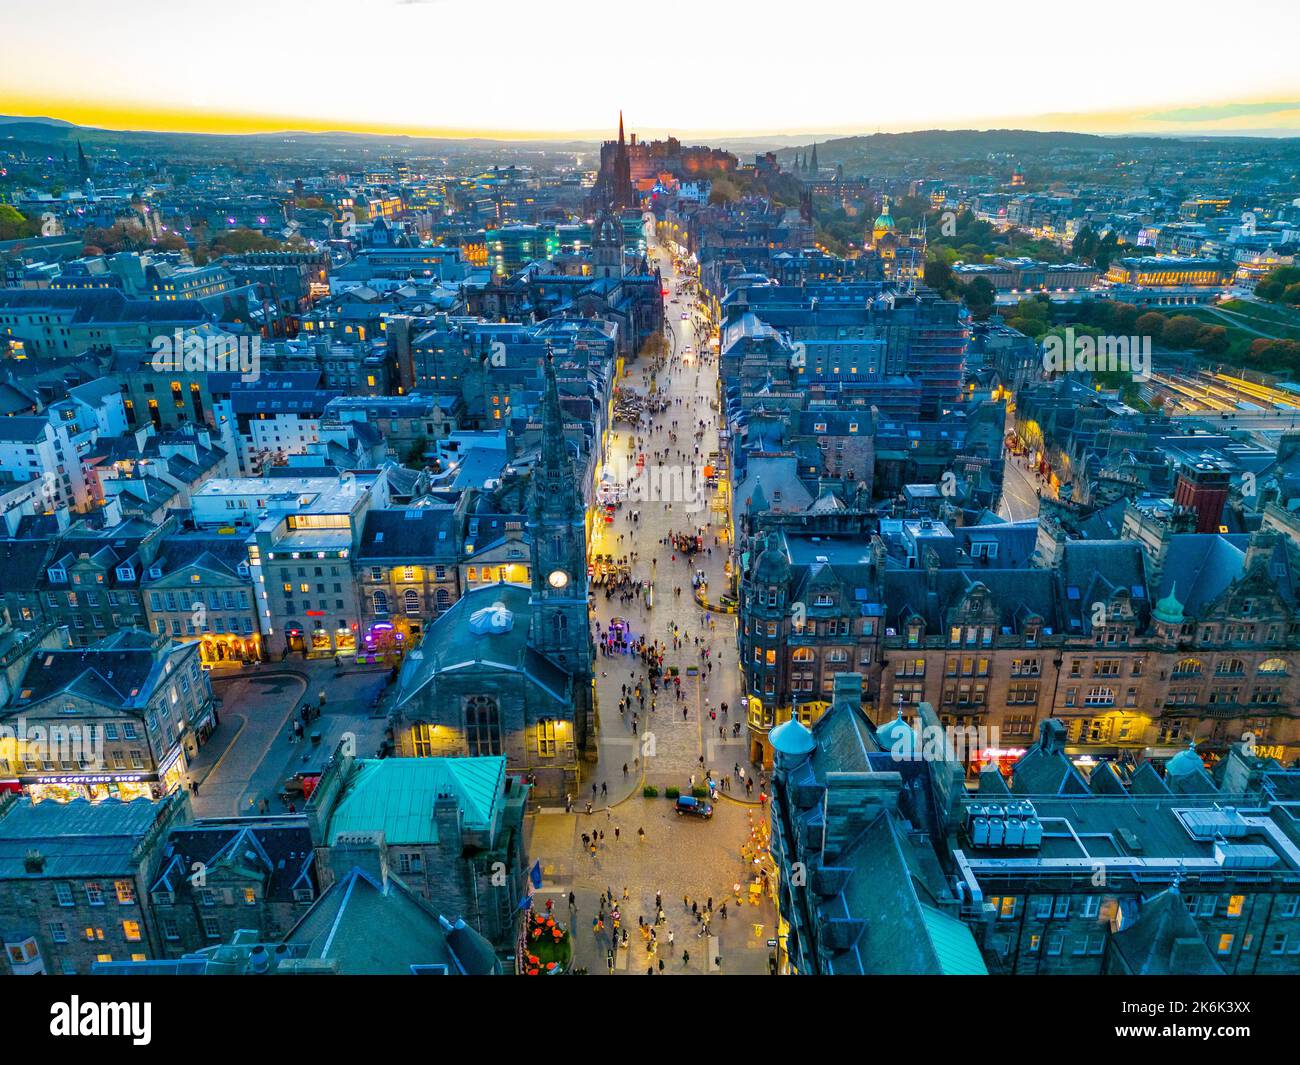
{"x": 242, "y": 569}
{"x": 155, "y": 572}
{"x": 57, "y": 575}
{"x": 125, "y": 573}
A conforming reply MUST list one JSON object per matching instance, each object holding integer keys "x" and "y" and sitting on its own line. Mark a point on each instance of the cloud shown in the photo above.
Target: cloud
{"x": 1211, "y": 113}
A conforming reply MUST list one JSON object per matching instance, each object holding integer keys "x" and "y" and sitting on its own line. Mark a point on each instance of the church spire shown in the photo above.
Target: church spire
{"x": 620, "y": 126}
{"x": 554, "y": 490}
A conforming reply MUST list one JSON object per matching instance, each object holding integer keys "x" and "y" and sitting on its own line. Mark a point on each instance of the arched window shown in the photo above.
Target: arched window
{"x": 381, "y": 602}
{"x": 804, "y": 654}
{"x": 443, "y": 599}
{"x": 1187, "y": 667}
{"x": 1273, "y": 665}
{"x": 411, "y": 602}
{"x": 482, "y": 725}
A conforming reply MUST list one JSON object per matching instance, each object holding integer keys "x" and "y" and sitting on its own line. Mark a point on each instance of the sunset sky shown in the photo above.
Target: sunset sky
{"x": 523, "y": 68}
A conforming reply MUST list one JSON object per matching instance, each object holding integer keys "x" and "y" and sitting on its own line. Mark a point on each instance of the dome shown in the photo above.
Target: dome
{"x": 897, "y": 736}
{"x": 792, "y": 738}
{"x": 1184, "y": 763}
{"x": 1169, "y": 610}
{"x": 884, "y": 221}
{"x": 772, "y": 567}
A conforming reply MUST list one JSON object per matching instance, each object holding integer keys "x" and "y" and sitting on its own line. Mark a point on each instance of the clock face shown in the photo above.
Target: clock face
{"x": 558, "y": 578}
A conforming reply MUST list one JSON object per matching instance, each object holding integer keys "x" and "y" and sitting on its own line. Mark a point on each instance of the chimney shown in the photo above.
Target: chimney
{"x": 1202, "y": 489}
{"x": 112, "y": 512}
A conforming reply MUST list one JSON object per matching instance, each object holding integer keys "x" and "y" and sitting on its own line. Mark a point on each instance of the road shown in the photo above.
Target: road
{"x": 1019, "y": 491}
{"x": 249, "y": 756}
{"x": 672, "y": 743}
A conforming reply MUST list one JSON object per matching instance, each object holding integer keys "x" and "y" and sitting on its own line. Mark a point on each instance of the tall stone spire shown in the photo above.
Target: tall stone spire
{"x": 554, "y": 489}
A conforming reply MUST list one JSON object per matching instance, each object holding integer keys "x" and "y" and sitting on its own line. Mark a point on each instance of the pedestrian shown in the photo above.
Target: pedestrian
{"x": 686, "y": 957}
{"x": 670, "y": 937}
{"x": 640, "y": 834}
{"x": 625, "y": 770}
{"x": 573, "y": 902}
{"x": 616, "y": 833}
{"x": 588, "y": 806}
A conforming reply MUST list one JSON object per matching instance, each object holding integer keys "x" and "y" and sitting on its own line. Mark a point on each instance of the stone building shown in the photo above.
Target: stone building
{"x": 450, "y": 828}
{"x": 216, "y": 878}
{"x": 75, "y": 879}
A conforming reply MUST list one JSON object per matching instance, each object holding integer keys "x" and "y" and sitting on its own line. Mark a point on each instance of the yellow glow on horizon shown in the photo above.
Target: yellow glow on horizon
{"x": 440, "y": 68}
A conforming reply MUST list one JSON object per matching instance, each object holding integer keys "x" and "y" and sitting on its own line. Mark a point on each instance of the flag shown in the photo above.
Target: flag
{"x": 535, "y": 875}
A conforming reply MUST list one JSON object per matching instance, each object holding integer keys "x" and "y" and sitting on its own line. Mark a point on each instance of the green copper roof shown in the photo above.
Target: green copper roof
{"x": 1169, "y": 609}
{"x": 953, "y": 943}
{"x": 396, "y": 796}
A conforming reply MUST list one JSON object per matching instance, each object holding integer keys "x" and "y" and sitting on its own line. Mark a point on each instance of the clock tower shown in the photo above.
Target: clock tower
{"x": 560, "y": 626}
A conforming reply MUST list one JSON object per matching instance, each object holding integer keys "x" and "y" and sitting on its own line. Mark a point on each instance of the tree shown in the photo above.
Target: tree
{"x": 1151, "y": 324}
{"x": 1182, "y": 330}
{"x": 939, "y": 276}
{"x": 14, "y": 225}
{"x": 980, "y": 296}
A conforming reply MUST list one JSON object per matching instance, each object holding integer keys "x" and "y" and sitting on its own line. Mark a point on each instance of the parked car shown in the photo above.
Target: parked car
{"x": 689, "y": 806}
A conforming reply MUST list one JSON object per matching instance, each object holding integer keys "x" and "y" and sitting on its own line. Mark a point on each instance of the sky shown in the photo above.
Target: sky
{"x": 524, "y": 68}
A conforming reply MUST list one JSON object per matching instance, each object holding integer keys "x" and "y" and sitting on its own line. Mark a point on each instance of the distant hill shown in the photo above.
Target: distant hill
{"x": 954, "y": 143}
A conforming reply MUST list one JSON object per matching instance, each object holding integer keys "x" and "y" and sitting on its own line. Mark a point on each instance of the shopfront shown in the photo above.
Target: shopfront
{"x": 92, "y": 787}
{"x": 216, "y": 648}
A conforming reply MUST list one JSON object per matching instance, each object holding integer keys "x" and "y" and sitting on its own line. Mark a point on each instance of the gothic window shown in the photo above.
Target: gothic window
{"x": 561, "y": 625}
{"x": 482, "y": 725}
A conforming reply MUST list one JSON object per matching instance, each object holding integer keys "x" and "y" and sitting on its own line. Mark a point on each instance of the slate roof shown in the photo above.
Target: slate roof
{"x": 449, "y": 644}
{"x": 120, "y": 671}
{"x": 425, "y": 533}
{"x": 283, "y": 855}
{"x": 371, "y": 928}
{"x": 77, "y": 839}
{"x": 1165, "y": 941}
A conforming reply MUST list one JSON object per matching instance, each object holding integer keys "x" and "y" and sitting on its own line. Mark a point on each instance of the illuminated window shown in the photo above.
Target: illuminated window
{"x": 1235, "y": 905}
{"x": 1225, "y": 943}
{"x": 131, "y": 930}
